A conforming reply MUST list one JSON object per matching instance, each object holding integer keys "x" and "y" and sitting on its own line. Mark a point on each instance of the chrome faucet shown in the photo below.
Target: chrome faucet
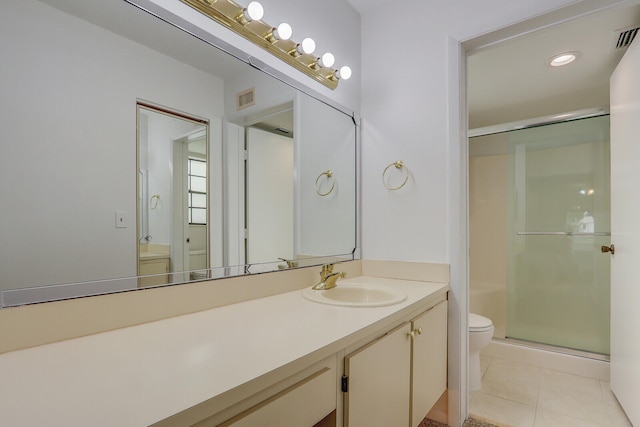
{"x": 328, "y": 278}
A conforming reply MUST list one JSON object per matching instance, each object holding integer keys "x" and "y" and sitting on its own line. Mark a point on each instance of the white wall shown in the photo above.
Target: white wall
{"x": 71, "y": 119}
{"x": 405, "y": 117}
{"x": 412, "y": 113}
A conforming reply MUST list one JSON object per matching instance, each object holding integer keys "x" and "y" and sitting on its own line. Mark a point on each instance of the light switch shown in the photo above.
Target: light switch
{"x": 121, "y": 219}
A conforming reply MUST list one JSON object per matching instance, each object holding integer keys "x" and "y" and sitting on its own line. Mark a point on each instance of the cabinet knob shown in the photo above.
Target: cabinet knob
{"x": 414, "y": 332}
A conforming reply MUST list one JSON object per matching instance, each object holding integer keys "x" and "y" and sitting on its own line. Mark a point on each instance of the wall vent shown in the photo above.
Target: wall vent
{"x": 246, "y": 99}
{"x": 623, "y": 38}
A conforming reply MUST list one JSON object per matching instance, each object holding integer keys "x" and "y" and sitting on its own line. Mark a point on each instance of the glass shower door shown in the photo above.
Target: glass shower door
{"x": 558, "y": 197}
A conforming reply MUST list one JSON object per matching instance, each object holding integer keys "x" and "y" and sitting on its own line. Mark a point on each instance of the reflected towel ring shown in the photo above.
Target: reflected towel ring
{"x": 155, "y": 198}
{"x": 398, "y": 165}
{"x": 329, "y": 175}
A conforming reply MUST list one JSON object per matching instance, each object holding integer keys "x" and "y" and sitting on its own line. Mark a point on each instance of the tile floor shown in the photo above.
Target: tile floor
{"x": 519, "y": 395}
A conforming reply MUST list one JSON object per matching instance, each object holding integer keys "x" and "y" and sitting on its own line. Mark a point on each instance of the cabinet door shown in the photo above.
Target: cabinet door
{"x": 429, "y": 361}
{"x": 379, "y": 382}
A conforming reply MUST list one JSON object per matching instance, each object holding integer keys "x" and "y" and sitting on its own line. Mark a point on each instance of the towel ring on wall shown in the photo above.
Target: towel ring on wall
{"x": 155, "y": 198}
{"x": 398, "y": 165}
{"x": 329, "y": 175}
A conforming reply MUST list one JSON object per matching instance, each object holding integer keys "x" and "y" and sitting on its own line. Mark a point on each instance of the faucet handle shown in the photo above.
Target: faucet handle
{"x": 290, "y": 263}
{"x": 327, "y": 269}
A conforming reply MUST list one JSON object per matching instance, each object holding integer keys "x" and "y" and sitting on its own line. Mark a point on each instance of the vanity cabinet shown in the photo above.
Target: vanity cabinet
{"x": 155, "y": 270}
{"x": 396, "y": 379}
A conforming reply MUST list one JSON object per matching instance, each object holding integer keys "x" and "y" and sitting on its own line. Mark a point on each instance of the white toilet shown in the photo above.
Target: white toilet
{"x": 480, "y": 333}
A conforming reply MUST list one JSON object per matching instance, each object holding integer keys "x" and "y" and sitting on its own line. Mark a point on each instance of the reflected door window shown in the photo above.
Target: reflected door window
{"x": 197, "y": 203}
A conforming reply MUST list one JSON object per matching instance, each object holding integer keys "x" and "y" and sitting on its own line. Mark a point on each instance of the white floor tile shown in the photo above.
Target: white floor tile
{"x": 502, "y": 411}
{"x": 546, "y": 418}
{"x": 607, "y": 394}
{"x": 512, "y": 381}
{"x": 576, "y": 405}
{"x": 485, "y": 361}
{"x": 520, "y": 395}
{"x": 617, "y": 417}
{"x": 568, "y": 383}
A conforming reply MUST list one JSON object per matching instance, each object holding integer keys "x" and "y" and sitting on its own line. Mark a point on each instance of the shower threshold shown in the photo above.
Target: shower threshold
{"x": 554, "y": 349}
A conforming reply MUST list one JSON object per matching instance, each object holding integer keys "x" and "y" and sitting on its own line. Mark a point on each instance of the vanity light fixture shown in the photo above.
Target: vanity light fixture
{"x": 307, "y": 46}
{"x": 247, "y": 22}
{"x": 563, "y": 59}
{"x": 253, "y": 12}
{"x": 344, "y": 72}
{"x": 327, "y": 60}
{"x": 283, "y": 32}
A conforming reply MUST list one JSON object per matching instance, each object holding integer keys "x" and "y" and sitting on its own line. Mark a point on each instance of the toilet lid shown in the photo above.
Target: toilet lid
{"x": 479, "y": 323}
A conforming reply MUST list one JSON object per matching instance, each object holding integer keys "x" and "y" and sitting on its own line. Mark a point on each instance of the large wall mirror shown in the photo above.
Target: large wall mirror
{"x": 137, "y": 155}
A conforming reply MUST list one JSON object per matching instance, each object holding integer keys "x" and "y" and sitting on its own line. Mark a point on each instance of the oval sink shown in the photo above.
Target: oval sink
{"x": 356, "y": 295}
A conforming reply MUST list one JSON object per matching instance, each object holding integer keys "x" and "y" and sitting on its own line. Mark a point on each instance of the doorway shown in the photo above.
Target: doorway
{"x": 173, "y": 196}
{"x": 526, "y": 108}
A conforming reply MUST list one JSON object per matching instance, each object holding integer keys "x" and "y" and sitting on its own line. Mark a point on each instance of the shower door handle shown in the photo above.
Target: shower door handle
{"x": 605, "y": 249}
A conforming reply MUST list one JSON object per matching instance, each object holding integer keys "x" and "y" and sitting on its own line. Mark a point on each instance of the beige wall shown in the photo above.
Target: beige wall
{"x": 488, "y": 238}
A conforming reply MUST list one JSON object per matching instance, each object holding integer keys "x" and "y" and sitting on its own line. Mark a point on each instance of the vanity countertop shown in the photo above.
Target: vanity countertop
{"x": 142, "y": 374}
{"x": 153, "y": 255}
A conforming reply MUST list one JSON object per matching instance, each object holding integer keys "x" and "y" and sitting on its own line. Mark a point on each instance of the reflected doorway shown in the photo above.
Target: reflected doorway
{"x": 173, "y": 218}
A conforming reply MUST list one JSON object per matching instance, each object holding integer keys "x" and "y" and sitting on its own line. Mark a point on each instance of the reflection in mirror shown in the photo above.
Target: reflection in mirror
{"x": 70, "y": 181}
{"x": 269, "y": 192}
{"x": 172, "y": 196}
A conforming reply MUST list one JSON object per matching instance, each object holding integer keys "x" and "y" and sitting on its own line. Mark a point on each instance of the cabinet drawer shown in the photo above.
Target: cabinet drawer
{"x": 303, "y": 404}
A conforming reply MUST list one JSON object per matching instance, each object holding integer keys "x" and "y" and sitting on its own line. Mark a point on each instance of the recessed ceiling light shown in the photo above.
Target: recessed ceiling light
{"x": 563, "y": 59}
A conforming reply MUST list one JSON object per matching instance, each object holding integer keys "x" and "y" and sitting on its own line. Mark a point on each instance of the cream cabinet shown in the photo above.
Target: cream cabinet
{"x": 379, "y": 381}
{"x": 428, "y": 361}
{"x": 303, "y": 404}
{"x": 395, "y": 380}
{"x": 155, "y": 270}
{"x": 306, "y": 399}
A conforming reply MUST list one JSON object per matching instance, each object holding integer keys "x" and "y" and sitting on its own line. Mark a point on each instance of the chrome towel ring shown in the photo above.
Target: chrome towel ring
{"x": 329, "y": 176}
{"x": 400, "y": 166}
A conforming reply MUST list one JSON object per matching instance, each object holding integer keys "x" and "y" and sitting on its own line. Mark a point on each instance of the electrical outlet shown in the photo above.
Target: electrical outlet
{"x": 121, "y": 219}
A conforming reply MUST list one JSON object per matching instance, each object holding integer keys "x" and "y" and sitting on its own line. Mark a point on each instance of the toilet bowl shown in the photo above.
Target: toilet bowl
{"x": 480, "y": 333}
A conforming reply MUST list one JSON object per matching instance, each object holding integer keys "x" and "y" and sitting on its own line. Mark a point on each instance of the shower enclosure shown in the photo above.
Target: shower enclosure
{"x": 539, "y": 215}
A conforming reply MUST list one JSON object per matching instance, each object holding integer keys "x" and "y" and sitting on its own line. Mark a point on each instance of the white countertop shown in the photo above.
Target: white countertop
{"x": 142, "y": 374}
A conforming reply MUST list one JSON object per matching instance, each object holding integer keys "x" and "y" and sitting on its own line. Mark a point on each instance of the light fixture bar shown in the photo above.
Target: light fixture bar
{"x": 229, "y": 14}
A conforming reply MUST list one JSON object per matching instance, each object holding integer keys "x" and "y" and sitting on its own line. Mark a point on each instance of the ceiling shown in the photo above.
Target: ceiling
{"x": 506, "y": 82}
{"x": 513, "y": 81}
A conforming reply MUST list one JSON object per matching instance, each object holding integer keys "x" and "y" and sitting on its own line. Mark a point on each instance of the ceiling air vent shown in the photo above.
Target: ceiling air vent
{"x": 246, "y": 98}
{"x": 623, "y": 38}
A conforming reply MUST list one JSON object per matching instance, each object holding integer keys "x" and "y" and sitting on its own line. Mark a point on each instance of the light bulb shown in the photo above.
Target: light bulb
{"x": 327, "y": 60}
{"x": 344, "y": 73}
{"x": 254, "y": 12}
{"x": 307, "y": 46}
{"x": 283, "y": 32}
